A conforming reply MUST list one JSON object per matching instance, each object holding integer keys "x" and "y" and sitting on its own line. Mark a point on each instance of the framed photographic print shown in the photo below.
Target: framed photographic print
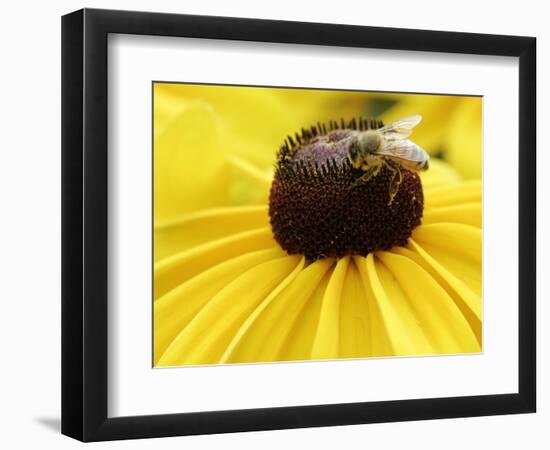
{"x": 273, "y": 224}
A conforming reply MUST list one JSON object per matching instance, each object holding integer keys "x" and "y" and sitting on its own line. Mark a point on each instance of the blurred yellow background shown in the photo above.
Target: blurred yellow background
{"x": 215, "y": 145}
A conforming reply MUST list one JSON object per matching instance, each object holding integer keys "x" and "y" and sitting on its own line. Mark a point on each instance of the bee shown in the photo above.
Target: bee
{"x": 389, "y": 147}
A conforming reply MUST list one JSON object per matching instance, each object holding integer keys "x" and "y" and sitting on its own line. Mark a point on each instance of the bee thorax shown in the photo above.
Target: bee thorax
{"x": 371, "y": 141}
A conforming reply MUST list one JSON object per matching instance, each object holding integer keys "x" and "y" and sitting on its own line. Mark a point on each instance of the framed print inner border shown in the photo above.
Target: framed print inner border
{"x": 135, "y": 389}
{"x": 85, "y": 226}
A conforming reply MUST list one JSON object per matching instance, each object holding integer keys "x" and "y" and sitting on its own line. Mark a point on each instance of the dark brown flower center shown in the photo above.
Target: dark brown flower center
{"x": 318, "y": 209}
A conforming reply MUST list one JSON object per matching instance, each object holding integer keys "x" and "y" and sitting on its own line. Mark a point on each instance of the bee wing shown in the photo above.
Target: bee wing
{"x": 401, "y": 128}
{"x": 403, "y": 149}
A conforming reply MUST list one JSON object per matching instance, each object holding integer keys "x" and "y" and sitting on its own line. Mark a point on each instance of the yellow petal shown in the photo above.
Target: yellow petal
{"x": 456, "y": 247}
{"x": 403, "y": 330}
{"x": 174, "y": 310}
{"x": 165, "y": 109}
{"x": 439, "y": 174}
{"x": 455, "y": 194}
{"x": 299, "y": 342}
{"x": 355, "y": 323}
{"x": 189, "y": 166}
{"x": 466, "y": 213}
{"x": 380, "y": 343}
{"x": 467, "y": 300}
{"x": 206, "y": 337}
{"x": 249, "y": 184}
{"x": 455, "y": 238}
{"x": 436, "y": 112}
{"x": 437, "y": 315}
{"x": 263, "y": 334}
{"x": 327, "y": 338}
{"x": 262, "y": 178}
{"x": 255, "y": 120}
{"x": 176, "y": 269}
{"x": 463, "y": 139}
{"x": 205, "y": 226}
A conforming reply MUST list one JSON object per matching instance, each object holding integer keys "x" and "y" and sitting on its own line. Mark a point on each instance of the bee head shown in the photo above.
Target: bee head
{"x": 354, "y": 154}
{"x": 370, "y": 141}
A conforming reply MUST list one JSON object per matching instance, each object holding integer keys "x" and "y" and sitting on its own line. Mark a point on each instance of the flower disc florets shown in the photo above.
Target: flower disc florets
{"x": 318, "y": 209}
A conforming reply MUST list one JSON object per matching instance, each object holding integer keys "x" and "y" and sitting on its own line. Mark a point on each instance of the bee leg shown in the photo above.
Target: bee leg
{"x": 379, "y": 168}
{"x": 396, "y": 180}
{"x": 369, "y": 173}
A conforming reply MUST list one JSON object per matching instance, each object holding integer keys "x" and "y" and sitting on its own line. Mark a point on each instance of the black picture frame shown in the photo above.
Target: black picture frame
{"x": 84, "y": 224}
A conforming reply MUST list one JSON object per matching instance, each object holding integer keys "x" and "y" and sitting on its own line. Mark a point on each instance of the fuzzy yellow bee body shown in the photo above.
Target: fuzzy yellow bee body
{"x": 389, "y": 147}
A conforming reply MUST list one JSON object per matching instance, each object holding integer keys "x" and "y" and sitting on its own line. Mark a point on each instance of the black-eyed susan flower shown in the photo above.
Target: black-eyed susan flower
{"x": 256, "y": 266}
